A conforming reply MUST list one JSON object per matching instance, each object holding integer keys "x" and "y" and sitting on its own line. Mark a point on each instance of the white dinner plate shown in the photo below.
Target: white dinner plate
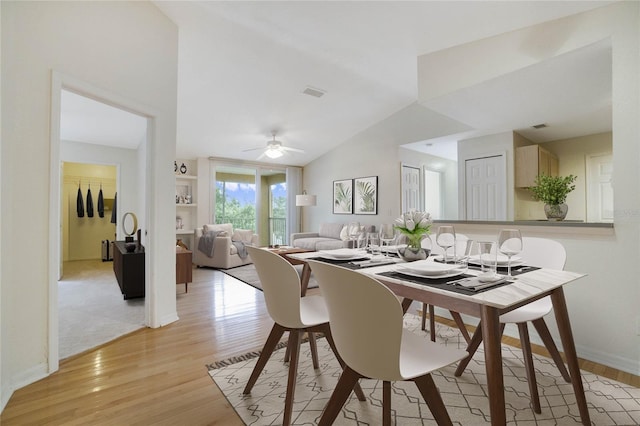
{"x": 451, "y": 273}
{"x": 342, "y": 254}
{"x": 425, "y": 267}
{"x": 502, "y": 261}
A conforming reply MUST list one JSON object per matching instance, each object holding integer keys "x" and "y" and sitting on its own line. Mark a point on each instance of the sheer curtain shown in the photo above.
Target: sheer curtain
{"x": 294, "y": 187}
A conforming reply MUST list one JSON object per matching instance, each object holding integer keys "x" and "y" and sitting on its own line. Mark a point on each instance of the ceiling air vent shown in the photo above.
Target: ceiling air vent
{"x": 313, "y": 92}
{"x": 539, "y": 126}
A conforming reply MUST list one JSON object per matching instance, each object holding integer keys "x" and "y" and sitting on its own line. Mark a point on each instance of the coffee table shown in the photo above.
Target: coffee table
{"x": 284, "y": 252}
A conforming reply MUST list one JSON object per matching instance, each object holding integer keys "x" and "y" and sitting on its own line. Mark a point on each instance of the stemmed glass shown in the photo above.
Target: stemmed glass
{"x": 387, "y": 236}
{"x": 446, "y": 238}
{"x": 353, "y": 231}
{"x": 509, "y": 244}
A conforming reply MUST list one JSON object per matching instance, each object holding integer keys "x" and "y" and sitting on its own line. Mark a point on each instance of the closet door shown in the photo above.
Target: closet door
{"x": 485, "y": 188}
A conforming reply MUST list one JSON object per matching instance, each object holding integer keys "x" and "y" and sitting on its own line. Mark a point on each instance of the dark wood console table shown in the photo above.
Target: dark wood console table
{"x": 129, "y": 270}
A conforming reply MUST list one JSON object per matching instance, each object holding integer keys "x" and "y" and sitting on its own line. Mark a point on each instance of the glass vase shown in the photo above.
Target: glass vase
{"x": 414, "y": 247}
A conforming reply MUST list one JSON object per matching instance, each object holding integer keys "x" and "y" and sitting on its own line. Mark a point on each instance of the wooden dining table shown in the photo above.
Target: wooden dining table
{"x": 488, "y": 305}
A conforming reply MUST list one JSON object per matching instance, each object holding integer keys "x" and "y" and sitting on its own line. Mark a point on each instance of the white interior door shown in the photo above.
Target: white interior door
{"x": 599, "y": 188}
{"x": 411, "y": 199}
{"x": 485, "y": 188}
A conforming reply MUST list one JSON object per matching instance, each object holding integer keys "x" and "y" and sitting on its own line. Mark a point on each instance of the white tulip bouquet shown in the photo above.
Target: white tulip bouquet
{"x": 414, "y": 224}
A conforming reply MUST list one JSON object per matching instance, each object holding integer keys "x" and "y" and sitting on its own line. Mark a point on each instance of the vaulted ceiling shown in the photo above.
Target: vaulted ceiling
{"x": 243, "y": 68}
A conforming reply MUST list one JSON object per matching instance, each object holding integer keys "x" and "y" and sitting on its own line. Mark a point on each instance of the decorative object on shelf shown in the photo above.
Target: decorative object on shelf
{"x": 414, "y": 227}
{"x": 343, "y": 196}
{"x": 183, "y": 168}
{"x": 134, "y": 226}
{"x": 553, "y": 191}
{"x": 175, "y": 167}
{"x": 179, "y": 223}
{"x": 130, "y": 247}
{"x": 365, "y": 195}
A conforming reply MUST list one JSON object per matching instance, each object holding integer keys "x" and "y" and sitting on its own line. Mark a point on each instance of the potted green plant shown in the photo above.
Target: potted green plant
{"x": 553, "y": 191}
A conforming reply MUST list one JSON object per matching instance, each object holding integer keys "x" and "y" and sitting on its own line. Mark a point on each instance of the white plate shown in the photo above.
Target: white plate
{"x": 403, "y": 271}
{"x": 342, "y": 254}
{"x": 429, "y": 268}
{"x": 502, "y": 261}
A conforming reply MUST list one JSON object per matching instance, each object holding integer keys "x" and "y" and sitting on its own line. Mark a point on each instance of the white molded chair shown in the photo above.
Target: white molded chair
{"x": 461, "y": 242}
{"x": 291, "y": 312}
{"x": 544, "y": 253}
{"x": 366, "y": 322}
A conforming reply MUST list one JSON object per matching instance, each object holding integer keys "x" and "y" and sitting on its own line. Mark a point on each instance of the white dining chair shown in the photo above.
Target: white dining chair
{"x": 544, "y": 253}
{"x": 367, "y": 325}
{"x": 292, "y": 313}
{"x": 461, "y": 242}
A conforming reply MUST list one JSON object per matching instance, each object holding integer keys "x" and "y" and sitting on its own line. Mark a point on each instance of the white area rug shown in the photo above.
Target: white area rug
{"x": 91, "y": 308}
{"x": 610, "y": 402}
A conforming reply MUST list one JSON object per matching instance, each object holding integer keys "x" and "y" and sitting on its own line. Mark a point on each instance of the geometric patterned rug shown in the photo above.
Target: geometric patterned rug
{"x": 609, "y": 402}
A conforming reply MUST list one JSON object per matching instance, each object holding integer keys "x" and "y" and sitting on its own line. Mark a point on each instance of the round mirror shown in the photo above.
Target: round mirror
{"x": 132, "y": 223}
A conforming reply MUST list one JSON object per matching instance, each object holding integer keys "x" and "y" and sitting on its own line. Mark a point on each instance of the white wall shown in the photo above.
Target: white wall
{"x": 128, "y": 49}
{"x": 603, "y": 306}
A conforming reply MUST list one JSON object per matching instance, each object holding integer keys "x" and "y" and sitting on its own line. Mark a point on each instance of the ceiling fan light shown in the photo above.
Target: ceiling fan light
{"x": 273, "y": 153}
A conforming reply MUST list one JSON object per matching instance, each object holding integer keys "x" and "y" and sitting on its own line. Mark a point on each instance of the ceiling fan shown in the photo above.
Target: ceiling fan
{"x": 274, "y": 149}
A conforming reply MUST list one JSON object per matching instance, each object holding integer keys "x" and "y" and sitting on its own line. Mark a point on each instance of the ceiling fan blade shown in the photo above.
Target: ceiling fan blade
{"x": 261, "y": 156}
{"x": 286, "y": 148}
{"x": 253, "y": 149}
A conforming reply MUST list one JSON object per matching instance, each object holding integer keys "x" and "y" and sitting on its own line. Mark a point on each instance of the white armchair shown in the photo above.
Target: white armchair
{"x": 225, "y": 254}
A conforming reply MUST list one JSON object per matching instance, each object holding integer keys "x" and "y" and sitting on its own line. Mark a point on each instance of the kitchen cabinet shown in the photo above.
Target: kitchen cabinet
{"x": 532, "y": 161}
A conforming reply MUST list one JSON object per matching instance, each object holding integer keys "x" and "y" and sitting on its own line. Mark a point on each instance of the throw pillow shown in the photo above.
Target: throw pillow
{"x": 244, "y": 235}
{"x": 344, "y": 235}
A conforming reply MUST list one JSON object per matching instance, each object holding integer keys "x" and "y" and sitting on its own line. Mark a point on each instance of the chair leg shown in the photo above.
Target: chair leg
{"x": 272, "y": 341}
{"x": 294, "y": 343}
{"x": 432, "y": 397}
{"x": 476, "y": 339}
{"x": 314, "y": 349}
{"x": 348, "y": 379}
{"x": 528, "y": 362}
{"x": 386, "y": 403}
{"x": 545, "y": 335}
{"x": 356, "y": 389}
{"x": 460, "y": 323}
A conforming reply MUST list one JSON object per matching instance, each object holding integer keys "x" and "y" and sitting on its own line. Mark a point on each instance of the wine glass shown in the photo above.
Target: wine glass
{"x": 353, "y": 231}
{"x": 509, "y": 244}
{"x": 446, "y": 238}
{"x": 387, "y": 236}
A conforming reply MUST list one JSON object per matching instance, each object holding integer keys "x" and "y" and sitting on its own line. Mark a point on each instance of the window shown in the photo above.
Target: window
{"x": 236, "y": 201}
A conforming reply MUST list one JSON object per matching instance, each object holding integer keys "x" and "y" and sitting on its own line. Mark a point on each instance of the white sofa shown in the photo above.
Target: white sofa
{"x": 329, "y": 236}
{"x": 225, "y": 254}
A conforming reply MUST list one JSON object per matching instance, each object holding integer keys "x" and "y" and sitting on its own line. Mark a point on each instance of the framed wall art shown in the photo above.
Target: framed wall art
{"x": 365, "y": 195}
{"x": 343, "y": 196}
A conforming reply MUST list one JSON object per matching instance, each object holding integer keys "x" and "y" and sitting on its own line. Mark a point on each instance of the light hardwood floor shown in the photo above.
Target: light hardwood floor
{"x": 158, "y": 376}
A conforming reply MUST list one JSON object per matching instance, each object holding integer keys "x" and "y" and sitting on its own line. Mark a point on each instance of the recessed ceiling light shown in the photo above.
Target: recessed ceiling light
{"x": 312, "y": 91}
{"x": 539, "y": 126}
{"x": 428, "y": 144}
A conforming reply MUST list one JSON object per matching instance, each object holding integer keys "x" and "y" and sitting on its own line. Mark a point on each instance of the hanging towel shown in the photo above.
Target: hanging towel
{"x": 114, "y": 215}
{"x": 80, "y": 204}
{"x": 100, "y": 204}
{"x": 89, "y": 203}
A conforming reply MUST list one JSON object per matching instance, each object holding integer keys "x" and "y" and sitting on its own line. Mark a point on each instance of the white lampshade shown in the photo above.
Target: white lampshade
{"x": 305, "y": 200}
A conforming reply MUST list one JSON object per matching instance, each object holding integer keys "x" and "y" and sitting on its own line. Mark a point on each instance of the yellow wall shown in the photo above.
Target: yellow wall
{"x": 82, "y": 236}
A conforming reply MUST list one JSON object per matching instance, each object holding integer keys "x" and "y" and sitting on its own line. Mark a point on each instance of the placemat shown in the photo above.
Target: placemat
{"x": 443, "y": 283}
{"x": 348, "y": 263}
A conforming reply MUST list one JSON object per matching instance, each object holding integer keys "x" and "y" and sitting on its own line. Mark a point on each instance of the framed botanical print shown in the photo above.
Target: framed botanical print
{"x": 343, "y": 196}
{"x": 365, "y": 195}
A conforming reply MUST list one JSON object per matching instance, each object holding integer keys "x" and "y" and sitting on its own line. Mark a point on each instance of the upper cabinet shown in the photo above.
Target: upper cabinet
{"x": 532, "y": 161}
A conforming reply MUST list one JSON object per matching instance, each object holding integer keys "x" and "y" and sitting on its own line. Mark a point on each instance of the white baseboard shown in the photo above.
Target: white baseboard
{"x": 168, "y": 319}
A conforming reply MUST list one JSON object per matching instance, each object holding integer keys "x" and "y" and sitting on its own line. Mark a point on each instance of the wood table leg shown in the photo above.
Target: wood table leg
{"x": 304, "y": 279}
{"x": 493, "y": 364}
{"x": 406, "y": 303}
{"x": 569, "y": 348}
